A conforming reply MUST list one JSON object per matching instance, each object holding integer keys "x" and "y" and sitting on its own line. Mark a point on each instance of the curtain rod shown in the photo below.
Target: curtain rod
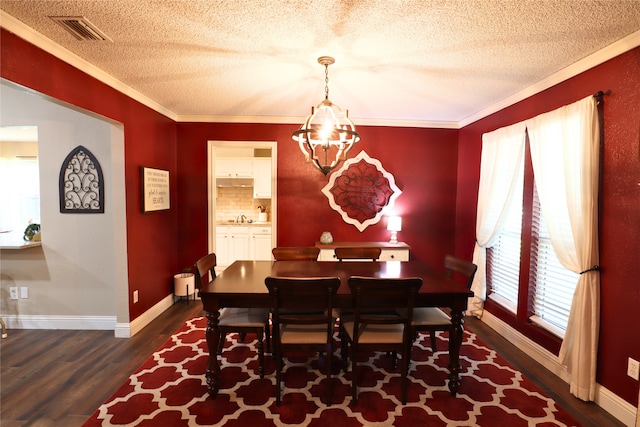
{"x": 600, "y": 94}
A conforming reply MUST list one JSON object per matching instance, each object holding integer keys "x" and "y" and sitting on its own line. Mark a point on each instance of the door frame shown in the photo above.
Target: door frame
{"x": 211, "y": 188}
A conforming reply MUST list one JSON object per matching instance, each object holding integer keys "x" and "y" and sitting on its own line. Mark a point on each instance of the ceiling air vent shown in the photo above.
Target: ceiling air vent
{"x": 80, "y": 27}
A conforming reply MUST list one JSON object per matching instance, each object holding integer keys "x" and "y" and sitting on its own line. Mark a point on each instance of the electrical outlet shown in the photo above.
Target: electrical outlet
{"x": 24, "y": 292}
{"x": 633, "y": 370}
{"x": 13, "y": 292}
{"x": 135, "y": 296}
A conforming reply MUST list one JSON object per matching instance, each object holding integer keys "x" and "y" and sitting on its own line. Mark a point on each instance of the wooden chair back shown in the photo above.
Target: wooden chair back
{"x": 376, "y": 326}
{"x": 300, "y": 253}
{"x": 461, "y": 266}
{"x": 375, "y": 297}
{"x": 311, "y": 297}
{"x": 358, "y": 253}
{"x": 205, "y": 266}
{"x": 302, "y": 319}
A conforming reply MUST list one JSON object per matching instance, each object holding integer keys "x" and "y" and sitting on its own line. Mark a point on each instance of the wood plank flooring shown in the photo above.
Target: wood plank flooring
{"x": 59, "y": 378}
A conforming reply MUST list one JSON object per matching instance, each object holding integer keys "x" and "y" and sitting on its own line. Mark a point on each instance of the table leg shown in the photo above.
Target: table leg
{"x": 213, "y": 369}
{"x": 455, "y": 342}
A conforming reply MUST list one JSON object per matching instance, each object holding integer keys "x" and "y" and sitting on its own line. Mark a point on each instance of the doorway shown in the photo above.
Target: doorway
{"x": 237, "y": 201}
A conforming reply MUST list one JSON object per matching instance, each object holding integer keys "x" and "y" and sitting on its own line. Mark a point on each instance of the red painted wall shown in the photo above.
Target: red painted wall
{"x": 619, "y": 206}
{"x": 149, "y": 140}
{"x": 423, "y": 162}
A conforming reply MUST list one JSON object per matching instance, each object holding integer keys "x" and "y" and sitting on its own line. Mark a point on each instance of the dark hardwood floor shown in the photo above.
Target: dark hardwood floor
{"x": 59, "y": 378}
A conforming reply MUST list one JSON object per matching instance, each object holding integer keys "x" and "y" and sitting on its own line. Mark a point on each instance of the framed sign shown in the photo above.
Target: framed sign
{"x": 155, "y": 189}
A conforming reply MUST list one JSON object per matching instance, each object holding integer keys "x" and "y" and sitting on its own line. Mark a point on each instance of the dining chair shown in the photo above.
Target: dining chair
{"x": 302, "y": 320}
{"x": 238, "y": 320}
{"x": 348, "y": 253}
{"x": 433, "y": 319}
{"x": 300, "y": 253}
{"x": 374, "y": 328}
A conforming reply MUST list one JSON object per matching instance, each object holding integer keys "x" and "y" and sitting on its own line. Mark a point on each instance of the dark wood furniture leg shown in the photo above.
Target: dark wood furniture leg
{"x": 213, "y": 337}
{"x": 455, "y": 342}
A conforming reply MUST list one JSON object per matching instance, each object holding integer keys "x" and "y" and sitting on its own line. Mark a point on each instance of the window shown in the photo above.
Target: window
{"x": 551, "y": 285}
{"x": 19, "y": 180}
{"x": 503, "y": 259}
{"x": 549, "y": 290}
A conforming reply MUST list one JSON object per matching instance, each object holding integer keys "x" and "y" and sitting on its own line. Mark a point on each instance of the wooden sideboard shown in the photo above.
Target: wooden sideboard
{"x": 390, "y": 251}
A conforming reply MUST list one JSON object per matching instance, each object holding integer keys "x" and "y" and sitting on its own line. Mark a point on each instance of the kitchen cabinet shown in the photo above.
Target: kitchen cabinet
{"x": 231, "y": 167}
{"x": 260, "y": 243}
{"x": 242, "y": 242}
{"x": 389, "y": 251}
{"x": 262, "y": 178}
{"x": 232, "y": 243}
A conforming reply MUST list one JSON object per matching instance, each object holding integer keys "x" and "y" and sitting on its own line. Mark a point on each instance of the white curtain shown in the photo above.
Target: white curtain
{"x": 565, "y": 150}
{"x": 501, "y": 163}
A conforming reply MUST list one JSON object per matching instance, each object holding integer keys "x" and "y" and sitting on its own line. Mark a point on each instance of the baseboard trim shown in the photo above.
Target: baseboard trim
{"x": 59, "y": 322}
{"x": 103, "y": 323}
{"x": 606, "y": 399}
{"x": 127, "y": 330}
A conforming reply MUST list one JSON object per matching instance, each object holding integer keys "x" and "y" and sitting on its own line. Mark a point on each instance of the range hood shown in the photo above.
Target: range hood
{"x": 234, "y": 182}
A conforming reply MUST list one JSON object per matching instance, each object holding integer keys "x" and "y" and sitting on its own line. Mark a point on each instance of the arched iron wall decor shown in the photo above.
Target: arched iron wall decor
{"x": 361, "y": 191}
{"x": 81, "y": 183}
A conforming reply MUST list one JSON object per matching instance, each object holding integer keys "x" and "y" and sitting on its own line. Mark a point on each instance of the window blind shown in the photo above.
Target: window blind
{"x": 551, "y": 285}
{"x": 503, "y": 258}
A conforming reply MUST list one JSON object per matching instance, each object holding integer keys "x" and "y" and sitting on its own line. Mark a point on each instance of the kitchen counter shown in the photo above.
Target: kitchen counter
{"x": 244, "y": 224}
{"x": 15, "y": 241}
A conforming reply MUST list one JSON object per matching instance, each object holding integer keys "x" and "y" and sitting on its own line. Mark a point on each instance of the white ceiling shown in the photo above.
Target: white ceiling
{"x": 420, "y": 62}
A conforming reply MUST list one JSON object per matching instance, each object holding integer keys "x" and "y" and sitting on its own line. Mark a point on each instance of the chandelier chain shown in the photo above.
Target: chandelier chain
{"x": 326, "y": 81}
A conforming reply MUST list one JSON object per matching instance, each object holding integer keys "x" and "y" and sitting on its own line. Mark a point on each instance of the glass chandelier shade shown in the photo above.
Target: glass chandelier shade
{"x": 327, "y": 135}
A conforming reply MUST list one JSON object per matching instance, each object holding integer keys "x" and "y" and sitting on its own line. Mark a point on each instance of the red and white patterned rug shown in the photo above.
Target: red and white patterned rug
{"x": 169, "y": 390}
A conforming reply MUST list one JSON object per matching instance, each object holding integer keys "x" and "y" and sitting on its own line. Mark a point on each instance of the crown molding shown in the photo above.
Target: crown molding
{"x": 298, "y": 120}
{"x": 20, "y": 29}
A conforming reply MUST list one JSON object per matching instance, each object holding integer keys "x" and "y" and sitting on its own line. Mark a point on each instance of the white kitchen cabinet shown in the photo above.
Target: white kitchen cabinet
{"x": 262, "y": 178}
{"x": 239, "y": 246}
{"x": 222, "y": 246}
{"x": 260, "y": 243}
{"x": 231, "y": 167}
{"x": 232, "y": 244}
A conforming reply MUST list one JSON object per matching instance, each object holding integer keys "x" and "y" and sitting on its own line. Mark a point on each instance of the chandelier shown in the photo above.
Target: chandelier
{"x": 327, "y": 134}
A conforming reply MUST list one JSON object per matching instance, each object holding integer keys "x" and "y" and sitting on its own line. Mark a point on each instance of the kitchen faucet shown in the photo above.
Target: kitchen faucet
{"x": 241, "y": 218}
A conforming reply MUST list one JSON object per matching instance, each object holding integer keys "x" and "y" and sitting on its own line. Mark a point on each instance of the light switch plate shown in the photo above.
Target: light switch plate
{"x": 24, "y": 292}
{"x": 633, "y": 369}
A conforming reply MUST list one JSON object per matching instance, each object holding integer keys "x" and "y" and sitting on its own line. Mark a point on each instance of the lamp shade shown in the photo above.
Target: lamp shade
{"x": 394, "y": 223}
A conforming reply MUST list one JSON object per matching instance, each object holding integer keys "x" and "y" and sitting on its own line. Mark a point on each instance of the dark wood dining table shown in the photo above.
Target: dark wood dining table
{"x": 242, "y": 285}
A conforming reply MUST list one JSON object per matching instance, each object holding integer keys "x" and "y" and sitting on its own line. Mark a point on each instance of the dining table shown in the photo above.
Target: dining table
{"x": 242, "y": 284}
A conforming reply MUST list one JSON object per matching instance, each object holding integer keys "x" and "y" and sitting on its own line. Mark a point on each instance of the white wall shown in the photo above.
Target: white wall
{"x": 78, "y": 278}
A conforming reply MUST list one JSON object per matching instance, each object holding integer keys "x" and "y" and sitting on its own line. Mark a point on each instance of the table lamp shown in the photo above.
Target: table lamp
{"x": 394, "y": 225}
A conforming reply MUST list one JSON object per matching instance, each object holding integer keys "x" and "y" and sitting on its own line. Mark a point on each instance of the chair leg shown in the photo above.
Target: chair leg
{"x": 403, "y": 379}
{"x": 279, "y": 366}
{"x": 329, "y": 382}
{"x": 223, "y": 337}
{"x": 354, "y": 380}
{"x": 432, "y": 335}
{"x": 343, "y": 352}
{"x": 267, "y": 333}
{"x": 260, "y": 354}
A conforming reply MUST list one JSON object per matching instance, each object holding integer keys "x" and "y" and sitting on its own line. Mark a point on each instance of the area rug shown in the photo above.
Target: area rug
{"x": 169, "y": 390}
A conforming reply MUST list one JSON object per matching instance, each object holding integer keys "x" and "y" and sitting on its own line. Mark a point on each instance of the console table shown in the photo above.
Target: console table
{"x": 390, "y": 251}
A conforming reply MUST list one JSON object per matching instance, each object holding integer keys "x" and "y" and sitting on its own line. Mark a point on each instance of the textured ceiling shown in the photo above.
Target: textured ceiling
{"x": 435, "y": 61}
